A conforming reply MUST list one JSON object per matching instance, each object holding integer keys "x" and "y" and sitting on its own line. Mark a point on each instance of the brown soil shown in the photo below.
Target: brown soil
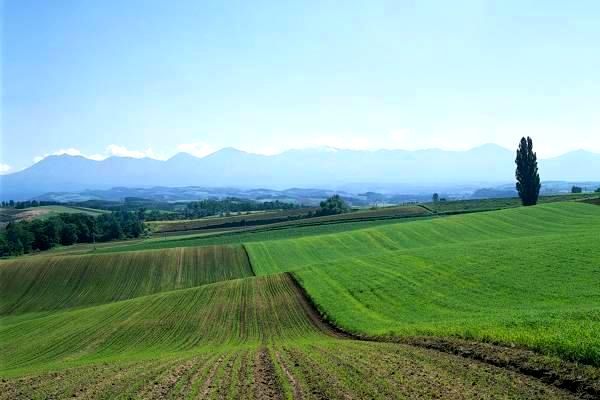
{"x": 208, "y": 384}
{"x": 266, "y": 385}
{"x": 579, "y": 379}
{"x": 295, "y": 385}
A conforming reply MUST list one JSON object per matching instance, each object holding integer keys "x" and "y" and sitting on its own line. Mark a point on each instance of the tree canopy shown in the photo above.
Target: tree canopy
{"x": 66, "y": 229}
{"x": 528, "y": 180}
{"x": 333, "y": 205}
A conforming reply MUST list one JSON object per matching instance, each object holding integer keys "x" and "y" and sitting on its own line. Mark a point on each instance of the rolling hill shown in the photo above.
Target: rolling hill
{"x": 42, "y": 283}
{"x": 196, "y": 322}
{"x": 524, "y": 275}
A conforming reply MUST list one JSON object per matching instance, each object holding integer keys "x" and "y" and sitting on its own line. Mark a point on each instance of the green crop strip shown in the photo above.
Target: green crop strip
{"x": 527, "y": 276}
{"x": 48, "y": 283}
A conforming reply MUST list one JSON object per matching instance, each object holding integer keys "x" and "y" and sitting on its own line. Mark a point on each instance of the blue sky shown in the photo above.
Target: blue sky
{"x": 152, "y": 78}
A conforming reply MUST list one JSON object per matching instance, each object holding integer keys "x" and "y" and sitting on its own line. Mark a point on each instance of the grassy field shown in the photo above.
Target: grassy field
{"x": 242, "y": 236}
{"x": 323, "y": 369}
{"x": 526, "y": 276}
{"x": 280, "y": 219}
{"x": 194, "y": 322}
{"x": 499, "y": 203}
{"x": 216, "y": 221}
{"x": 42, "y": 283}
{"x": 243, "y": 311}
{"x": 249, "y": 338}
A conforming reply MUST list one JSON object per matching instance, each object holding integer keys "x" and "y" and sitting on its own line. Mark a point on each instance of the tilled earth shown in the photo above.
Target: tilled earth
{"x": 329, "y": 369}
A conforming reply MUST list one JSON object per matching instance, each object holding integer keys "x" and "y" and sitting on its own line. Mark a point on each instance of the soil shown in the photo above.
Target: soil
{"x": 266, "y": 385}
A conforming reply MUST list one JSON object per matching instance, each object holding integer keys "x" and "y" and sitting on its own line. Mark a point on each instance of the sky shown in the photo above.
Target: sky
{"x": 153, "y": 78}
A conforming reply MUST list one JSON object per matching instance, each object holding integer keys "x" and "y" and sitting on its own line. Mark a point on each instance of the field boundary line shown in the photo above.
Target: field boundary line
{"x": 245, "y": 250}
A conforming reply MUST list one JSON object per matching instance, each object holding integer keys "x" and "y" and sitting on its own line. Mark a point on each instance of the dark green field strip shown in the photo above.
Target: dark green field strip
{"x": 48, "y": 283}
{"x": 280, "y": 219}
{"x": 248, "y": 235}
{"x": 241, "y": 311}
{"x": 560, "y": 218}
{"x": 325, "y": 369}
{"x": 214, "y": 222}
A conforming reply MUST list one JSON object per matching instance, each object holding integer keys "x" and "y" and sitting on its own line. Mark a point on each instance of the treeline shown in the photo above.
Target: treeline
{"x": 42, "y": 234}
{"x": 28, "y": 204}
{"x": 209, "y": 207}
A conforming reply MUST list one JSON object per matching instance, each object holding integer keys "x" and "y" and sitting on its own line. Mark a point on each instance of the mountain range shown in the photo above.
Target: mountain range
{"x": 318, "y": 168}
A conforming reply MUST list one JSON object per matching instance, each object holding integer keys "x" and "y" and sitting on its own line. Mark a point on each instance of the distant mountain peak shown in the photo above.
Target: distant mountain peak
{"x": 321, "y": 167}
{"x": 183, "y": 156}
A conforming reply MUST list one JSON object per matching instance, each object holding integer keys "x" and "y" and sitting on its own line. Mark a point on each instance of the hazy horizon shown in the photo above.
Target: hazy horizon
{"x": 123, "y": 152}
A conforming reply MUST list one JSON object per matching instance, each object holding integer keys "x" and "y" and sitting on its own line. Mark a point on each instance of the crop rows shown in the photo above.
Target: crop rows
{"x": 526, "y": 276}
{"x": 323, "y": 369}
{"x": 285, "y": 255}
{"x": 236, "y": 312}
{"x": 43, "y": 283}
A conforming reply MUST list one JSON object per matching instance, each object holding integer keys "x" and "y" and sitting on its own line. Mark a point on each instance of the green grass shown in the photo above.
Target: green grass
{"x": 287, "y": 255}
{"x": 499, "y": 203}
{"x": 251, "y": 311}
{"x": 245, "y": 235}
{"x": 279, "y": 218}
{"x": 156, "y": 324}
{"x": 43, "y": 283}
{"x": 526, "y": 275}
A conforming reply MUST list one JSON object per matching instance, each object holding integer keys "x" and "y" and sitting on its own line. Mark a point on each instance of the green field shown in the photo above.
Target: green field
{"x": 241, "y": 236}
{"x": 195, "y": 322}
{"x": 499, "y": 203}
{"x": 526, "y": 276}
{"x": 246, "y": 338}
{"x": 42, "y": 283}
{"x": 279, "y": 219}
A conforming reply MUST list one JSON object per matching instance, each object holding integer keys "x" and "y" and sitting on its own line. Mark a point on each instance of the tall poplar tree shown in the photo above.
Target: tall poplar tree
{"x": 528, "y": 179}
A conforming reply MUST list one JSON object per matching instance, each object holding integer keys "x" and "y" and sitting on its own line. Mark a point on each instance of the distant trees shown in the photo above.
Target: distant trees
{"x": 333, "y": 205}
{"x": 66, "y": 229}
{"x": 27, "y": 203}
{"x": 435, "y": 198}
{"x": 528, "y": 180}
{"x": 597, "y": 190}
{"x": 208, "y": 207}
{"x": 576, "y": 189}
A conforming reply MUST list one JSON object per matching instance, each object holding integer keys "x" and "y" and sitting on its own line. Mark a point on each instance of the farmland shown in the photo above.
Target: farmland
{"x": 471, "y": 276}
{"x": 293, "y": 229}
{"x": 283, "y": 219}
{"x": 11, "y": 214}
{"x": 45, "y": 283}
{"x": 248, "y": 338}
{"x": 218, "y": 319}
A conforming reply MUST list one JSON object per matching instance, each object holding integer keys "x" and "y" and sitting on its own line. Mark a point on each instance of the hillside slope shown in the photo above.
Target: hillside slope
{"x": 557, "y": 218}
{"x": 526, "y": 276}
{"x": 243, "y": 311}
{"x": 42, "y": 283}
